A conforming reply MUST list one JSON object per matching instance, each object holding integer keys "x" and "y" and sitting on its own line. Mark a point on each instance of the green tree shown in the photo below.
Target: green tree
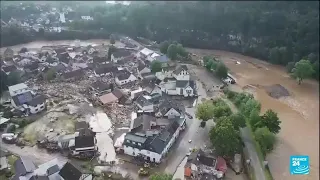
{"x": 156, "y": 66}
{"x": 238, "y": 120}
{"x": 159, "y": 176}
{"x": 222, "y": 70}
{"x": 254, "y": 119}
{"x": 225, "y": 138}
{"x": 316, "y": 69}
{"x": 265, "y": 138}
{"x": 164, "y": 47}
{"x": 270, "y": 120}
{"x": 250, "y": 106}
{"x": 205, "y": 111}
{"x": 302, "y": 70}
{"x": 172, "y": 51}
{"x": 221, "y": 110}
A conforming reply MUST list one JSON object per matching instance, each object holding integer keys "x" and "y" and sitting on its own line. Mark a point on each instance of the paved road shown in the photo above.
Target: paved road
{"x": 194, "y": 132}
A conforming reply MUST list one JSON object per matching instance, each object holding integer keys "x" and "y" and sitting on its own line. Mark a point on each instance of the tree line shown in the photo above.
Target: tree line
{"x": 278, "y": 32}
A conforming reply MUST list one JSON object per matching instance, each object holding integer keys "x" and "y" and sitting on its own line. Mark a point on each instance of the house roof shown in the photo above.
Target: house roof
{"x": 101, "y": 86}
{"x": 24, "y": 165}
{"x": 108, "y": 98}
{"x": 159, "y": 142}
{"x": 123, "y": 75}
{"x": 165, "y": 106}
{"x": 141, "y": 66}
{"x": 72, "y": 74}
{"x": 146, "y": 51}
{"x": 106, "y": 68}
{"x": 99, "y": 59}
{"x": 8, "y": 50}
{"x": 17, "y": 87}
{"x": 143, "y": 101}
{"x": 70, "y": 172}
{"x": 180, "y": 68}
{"x": 64, "y": 57}
{"x": 118, "y": 93}
{"x": 162, "y": 58}
{"x": 135, "y": 138}
{"x": 84, "y": 141}
{"x": 148, "y": 75}
{"x": 10, "y": 68}
{"x": 121, "y": 53}
{"x": 37, "y": 100}
{"x": 143, "y": 120}
{"x": 23, "y": 98}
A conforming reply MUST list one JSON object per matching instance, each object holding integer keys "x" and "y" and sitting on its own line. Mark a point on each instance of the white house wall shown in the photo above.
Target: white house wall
{"x": 130, "y": 79}
{"x": 188, "y": 89}
{"x": 173, "y": 139}
{"x": 183, "y": 75}
{"x": 38, "y": 108}
{"x": 135, "y": 152}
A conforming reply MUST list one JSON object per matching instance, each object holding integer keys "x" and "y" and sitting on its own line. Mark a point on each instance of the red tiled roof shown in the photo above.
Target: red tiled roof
{"x": 221, "y": 165}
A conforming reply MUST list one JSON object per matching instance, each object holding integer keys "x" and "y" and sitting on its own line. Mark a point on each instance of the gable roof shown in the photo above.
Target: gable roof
{"x": 8, "y": 51}
{"x": 24, "y": 165}
{"x": 143, "y": 120}
{"x": 17, "y": 87}
{"x": 70, "y": 172}
{"x": 165, "y": 106}
{"x": 118, "y": 93}
{"x": 180, "y": 68}
{"x": 146, "y": 51}
{"x": 101, "y": 86}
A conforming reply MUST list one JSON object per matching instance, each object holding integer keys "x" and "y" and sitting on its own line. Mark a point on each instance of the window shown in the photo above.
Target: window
{"x": 128, "y": 141}
{"x": 41, "y": 106}
{"x": 133, "y": 153}
{"x": 36, "y": 109}
{"x": 139, "y": 144}
{"x": 133, "y": 142}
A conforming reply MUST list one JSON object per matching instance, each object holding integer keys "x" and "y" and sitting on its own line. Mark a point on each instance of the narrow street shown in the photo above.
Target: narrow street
{"x": 198, "y": 136}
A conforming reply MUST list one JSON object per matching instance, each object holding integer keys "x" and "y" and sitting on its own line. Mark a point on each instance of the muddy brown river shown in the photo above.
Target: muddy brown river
{"x": 299, "y": 112}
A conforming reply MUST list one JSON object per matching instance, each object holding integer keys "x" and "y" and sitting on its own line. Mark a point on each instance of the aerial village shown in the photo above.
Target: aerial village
{"x": 76, "y": 102}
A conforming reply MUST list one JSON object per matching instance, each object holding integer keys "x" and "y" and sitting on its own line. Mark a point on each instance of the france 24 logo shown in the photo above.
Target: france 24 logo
{"x": 299, "y": 165}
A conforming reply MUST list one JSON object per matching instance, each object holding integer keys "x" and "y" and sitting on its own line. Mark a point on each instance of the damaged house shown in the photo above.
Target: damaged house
{"x": 9, "y": 69}
{"x": 105, "y": 70}
{"x": 145, "y": 103}
{"x": 144, "y": 72}
{"x": 119, "y": 55}
{"x": 22, "y": 98}
{"x": 151, "y": 144}
{"x": 202, "y": 165}
{"x": 99, "y": 88}
{"x": 124, "y": 77}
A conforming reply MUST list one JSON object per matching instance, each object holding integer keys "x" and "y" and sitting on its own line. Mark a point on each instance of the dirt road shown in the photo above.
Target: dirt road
{"x": 299, "y": 112}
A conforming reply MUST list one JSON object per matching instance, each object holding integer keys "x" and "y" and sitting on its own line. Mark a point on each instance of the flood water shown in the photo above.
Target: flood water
{"x": 299, "y": 112}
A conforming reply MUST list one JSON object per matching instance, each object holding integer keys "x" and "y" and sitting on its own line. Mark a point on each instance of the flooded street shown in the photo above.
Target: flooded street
{"x": 298, "y": 112}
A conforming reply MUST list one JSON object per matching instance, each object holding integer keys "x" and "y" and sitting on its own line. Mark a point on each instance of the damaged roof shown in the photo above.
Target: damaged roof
{"x": 141, "y": 66}
{"x": 101, "y": 86}
{"x": 84, "y": 141}
{"x": 123, "y": 75}
{"x": 144, "y": 101}
{"x": 37, "y": 100}
{"x": 106, "y": 68}
{"x": 108, "y": 98}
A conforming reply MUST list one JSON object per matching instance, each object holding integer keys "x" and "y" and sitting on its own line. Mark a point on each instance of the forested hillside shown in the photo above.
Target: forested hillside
{"x": 278, "y": 32}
